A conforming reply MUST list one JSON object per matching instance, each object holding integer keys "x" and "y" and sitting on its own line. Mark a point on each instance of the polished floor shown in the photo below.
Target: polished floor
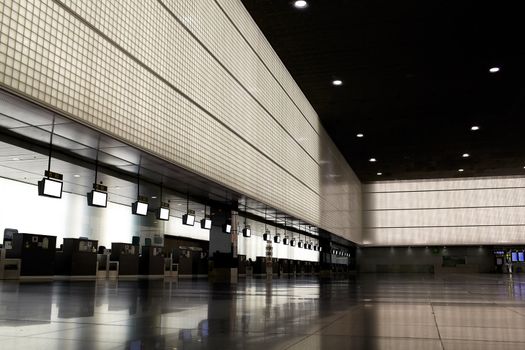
{"x": 368, "y": 312}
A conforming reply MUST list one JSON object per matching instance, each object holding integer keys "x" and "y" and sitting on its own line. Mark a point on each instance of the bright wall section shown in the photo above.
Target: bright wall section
{"x": 488, "y": 210}
{"x": 192, "y": 82}
{"x": 71, "y": 217}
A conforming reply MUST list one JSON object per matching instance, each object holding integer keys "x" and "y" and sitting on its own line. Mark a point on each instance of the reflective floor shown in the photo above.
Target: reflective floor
{"x": 369, "y": 312}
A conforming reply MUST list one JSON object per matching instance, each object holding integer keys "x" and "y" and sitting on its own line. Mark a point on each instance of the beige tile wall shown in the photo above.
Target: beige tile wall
{"x": 485, "y": 210}
{"x": 193, "y": 82}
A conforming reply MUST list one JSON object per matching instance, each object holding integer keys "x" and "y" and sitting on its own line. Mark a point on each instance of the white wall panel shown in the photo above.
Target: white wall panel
{"x": 192, "y": 82}
{"x": 445, "y": 211}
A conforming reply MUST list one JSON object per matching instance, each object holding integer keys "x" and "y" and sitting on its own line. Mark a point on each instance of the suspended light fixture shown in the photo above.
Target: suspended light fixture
{"x": 206, "y": 221}
{"x": 163, "y": 212}
{"x": 246, "y": 231}
{"x": 140, "y": 206}
{"x": 188, "y": 218}
{"x": 98, "y": 196}
{"x": 51, "y": 185}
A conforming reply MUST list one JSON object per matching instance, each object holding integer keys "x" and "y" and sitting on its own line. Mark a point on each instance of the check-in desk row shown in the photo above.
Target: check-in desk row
{"x": 26, "y": 254}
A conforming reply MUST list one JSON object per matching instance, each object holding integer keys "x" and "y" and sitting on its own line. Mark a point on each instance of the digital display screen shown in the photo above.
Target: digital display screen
{"x": 285, "y": 241}
{"x": 300, "y": 244}
{"x": 100, "y": 198}
{"x": 206, "y": 224}
{"x": 227, "y": 228}
{"x": 266, "y": 237}
{"x": 188, "y": 219}
{"x": 164, "y": 214}
{"x": 141, "y": 208}
{"x": 97, "y": 199}
{"x": 514, "y": 256}
{"x": 277, "y": 239}
{"x": 50, "y": 188}
{"x": 246, "y": 232}
{"x": 292, "y": 243}
{"x": 521, "y": 257}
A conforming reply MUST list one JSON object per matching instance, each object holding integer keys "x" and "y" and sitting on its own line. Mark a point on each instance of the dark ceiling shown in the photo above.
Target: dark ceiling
{"x": 416, "y": 78}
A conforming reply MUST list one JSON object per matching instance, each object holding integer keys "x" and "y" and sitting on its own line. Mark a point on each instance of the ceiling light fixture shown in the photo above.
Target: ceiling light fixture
{"x": 460, "y": 170}
{"x": 373, "y": 160}
{"x": 474, "y": 128}
{"x": 337, "y": 82}
{"x": 465, "y": 155}
{"x": 300, "y": 4}
{"x": 379, "y": 174}
{"x": 15, "y": 158}
{"x": 76, "y": 175}
{"x": 494, "y": 69}
{"x": 360, "y": 135}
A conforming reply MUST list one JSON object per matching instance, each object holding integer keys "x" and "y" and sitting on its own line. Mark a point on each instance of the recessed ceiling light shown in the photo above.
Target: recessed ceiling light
{"x": 494, "y": 69}
{"x": 465, "y": 155}
{"x": 372, "y": 160}
{"x": 379, "y": 174}
{"x": 15, "y": 158}
{"x": 337, "y": 82}
{"x": 76, "y": 175}
{"x": 300, "y": 4}
{"x": 153, "y": 197}
{"x": 360, "y": 135}
{"x": 460, "y": 170}
{"x": 474, "y": 128}
{"x": 117, "y": 187}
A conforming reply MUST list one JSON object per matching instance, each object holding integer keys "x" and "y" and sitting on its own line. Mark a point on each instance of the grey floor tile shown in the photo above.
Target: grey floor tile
{"x": 320, "y": 342}
{"x": 480, "y": 345}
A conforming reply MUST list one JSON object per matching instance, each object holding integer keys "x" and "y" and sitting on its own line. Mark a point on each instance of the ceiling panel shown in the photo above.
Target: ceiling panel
{"x": 415, "y": 79}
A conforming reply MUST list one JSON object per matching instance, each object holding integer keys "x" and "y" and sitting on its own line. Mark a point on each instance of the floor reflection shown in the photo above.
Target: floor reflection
{"x": 369, "y": 312}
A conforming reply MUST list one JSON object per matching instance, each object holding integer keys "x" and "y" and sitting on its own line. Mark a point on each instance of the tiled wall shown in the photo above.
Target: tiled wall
{"x": 193, "y": 82}
{"x": 445, "y": 212}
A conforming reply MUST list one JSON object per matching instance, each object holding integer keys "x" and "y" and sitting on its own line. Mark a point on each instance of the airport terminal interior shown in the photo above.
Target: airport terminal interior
{"x": 261, "y": 174}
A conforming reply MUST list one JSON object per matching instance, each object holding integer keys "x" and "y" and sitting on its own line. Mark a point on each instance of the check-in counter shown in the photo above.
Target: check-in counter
{"x": 77, "y": 258}
{"x": 127, "y": 256}
{"x": 36, "y": 252}
{"x": 151, "y": 261}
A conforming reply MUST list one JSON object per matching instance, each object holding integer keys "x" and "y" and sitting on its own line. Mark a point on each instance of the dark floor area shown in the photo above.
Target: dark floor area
{"x": 366, "y": 312}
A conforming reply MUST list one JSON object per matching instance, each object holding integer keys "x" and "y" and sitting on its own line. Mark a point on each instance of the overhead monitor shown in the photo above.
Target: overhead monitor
{"x": 163, "y": 214}
{"x": 206, "y": 224}
{"x": 227, "y": 228}
{"x": 292, "y": 242}
{"x": 246, "y": 232}
{"x": 50, "y": 188}
{"x": 267, "y": 237}
{"x": 514, "y": 256}
{"x": 139, "y": 208}
{"x": 188, "y": 219}
{"x": 285, "y": 241}
{"x": 521, "y": 256}
{"x": 277, "y": 239}
{"x": 97, "y": 199}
